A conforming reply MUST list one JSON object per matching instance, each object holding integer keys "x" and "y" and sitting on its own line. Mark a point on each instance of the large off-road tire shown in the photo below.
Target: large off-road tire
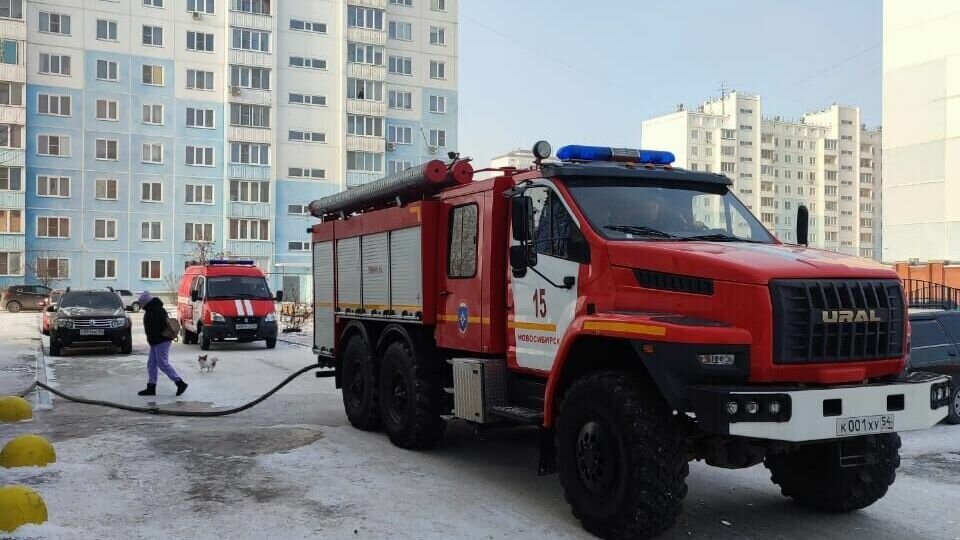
{"x": 411, "y": 398}
{"x": 953, "y": 417}
{"x": 813, "y": 478}
{"x": 621, "y": 456}
{"x": 360, "y": 391}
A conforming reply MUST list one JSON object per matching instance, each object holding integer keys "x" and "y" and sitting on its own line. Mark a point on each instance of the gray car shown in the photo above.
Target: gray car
{"x": 129, "y": 299}
{"x": 18, "y": 297}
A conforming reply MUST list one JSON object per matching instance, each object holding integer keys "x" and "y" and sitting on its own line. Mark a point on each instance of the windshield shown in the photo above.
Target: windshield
{"x": 622, "y": 209}
{"x": 238, "y": 287}
{"x": 90, "y": 300}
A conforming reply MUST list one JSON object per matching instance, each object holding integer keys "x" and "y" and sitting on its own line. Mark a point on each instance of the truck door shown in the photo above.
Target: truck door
{"x": 460, "y": 315}
{"x": 545, "y": 294}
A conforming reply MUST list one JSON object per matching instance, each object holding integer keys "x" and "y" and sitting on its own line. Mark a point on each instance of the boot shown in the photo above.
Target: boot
{"x": 181, "y": 387}
{"x": 150, "y": 390}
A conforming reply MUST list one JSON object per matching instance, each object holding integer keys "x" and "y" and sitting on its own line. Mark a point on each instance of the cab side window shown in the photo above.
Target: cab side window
{"x": 462, "y": 246}
{"x": 197, "y": 287}
{"x": 554, "y": 231}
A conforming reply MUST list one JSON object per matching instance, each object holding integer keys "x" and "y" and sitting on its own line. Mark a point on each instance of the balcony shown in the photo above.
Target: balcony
{"x": 12, "y": 242}
{"x": 249, "y": 134}
{"x": 375, "y": 4}
{"x": 11, "y": 199}
{"x": 365, "y": 35}
{"x": 365, "y": 144}
{"x": 366, "y": 71}
{"x": 11, "y": 157}
{"x": 251, "y": 58}
{"x": 13, "y": 73}
{"x": 249, "y": 172}
{"x": 366, "y": 107}
{"x": 247, "y": 248}
{"x": 249, "y": 20}
{"x": 13, "y": 115}
{"x": 249, "y": 95}
{"x": 359, "y": 178}
{"x": 13, "y": 29}
{"x": 250, "y": 210}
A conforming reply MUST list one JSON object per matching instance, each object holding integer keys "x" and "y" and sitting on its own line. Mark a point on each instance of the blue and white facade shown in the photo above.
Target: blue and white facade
{"x": 156, "y": 126}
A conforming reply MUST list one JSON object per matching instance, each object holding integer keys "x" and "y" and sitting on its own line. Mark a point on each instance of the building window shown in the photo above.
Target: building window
{"x": 199, "y": 80}
{"x": 307, "y": 99}
{"x": 199, "y": 194}
{"x": 153, "y": 3}
{"x": 53, "y": 227}
{"x": 361, "y": 17}
{"x": 462, "y": 250}
{"x": 257, "y": 116}
{"x": 54, "y": 23}
{"x": 105, "y": 229}
{"x": 53, "y": 186}
{"x": 153, "y": 114}
{"x": 200, "y": 118}
{"x": 53, "y": 105}
{"x": 11, "y": 221}
{"x": 106, "y": 30}
{"x": 199, "y": 41}
{"x": 106, "y": 189}
{"x": 105, "y": 269}
{"x": 364, "y": 89}
{"x": 400, "y": 30}
{"x": 250, "y": 153}
{"x": 248, "y": 191}
{"x": 300, "y": 172}
{"x": 400, "y": 65}
{"x": 151, "y": 192}
{"x": 298, "y": 246}
{"x": 438, "y": 70}
{"x": 11, "y": 93}
{"x": 400, "y": 99}
{"x": 395, "y": 166}
{"x": 54, "y": 64}
{"x": 309, "y": 63}
{"x": 53, "y": 145}
{"x": 152, "y": 75}
{"x": 152, "y": 153}
{"x": 151, "y": 231}
{"x": 11, "y": 9}
{"x": 48, "y": 268}
{"x": 198, "y": 232}
{"x": 249, "y": 229}
{"x": 306, "y": 136}
{"x": 250, "y": 77}
{"x": 364, "y": 161}
{"x": 107, "y": 149}
{"x": 438, "y": 5}
{"x": 438, "y": 104}
{"x": 108, "y": 109}
{"x": 438, "y": 138}
{"x": 400, "y": 134}
{"x": 438, "y": 35}
{"x": 365, "y": 126}
{"x": 201, "y": 6}
{"x": 108, "y": 71}
{"x": 727, "y": 166}
{"x": 11, "y": 178}
{"x": 404, "y": 3}
{"x": 257, "y": 7}
{"x": 152, "y": 36}
{"x": 359, "y": 53}
{"x": 298, "y": 210}
{"x": 308, "y": 26}
{"x": 200, "y": 156}
{"x": 150, "y": 270}
{"x": 10, "y": 136}
{"x": 245, "y": 39}
{"x": 11, "y": 263}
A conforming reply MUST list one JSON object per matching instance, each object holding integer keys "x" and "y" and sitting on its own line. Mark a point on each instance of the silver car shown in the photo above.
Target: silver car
{"x": 129, "y": 299}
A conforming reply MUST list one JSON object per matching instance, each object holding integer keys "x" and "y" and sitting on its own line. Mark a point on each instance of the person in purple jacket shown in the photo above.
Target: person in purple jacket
{"x": 155, "y": 326}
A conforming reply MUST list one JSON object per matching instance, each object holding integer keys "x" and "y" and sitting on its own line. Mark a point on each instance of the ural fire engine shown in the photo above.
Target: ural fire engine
{"x": 638, "y": 313}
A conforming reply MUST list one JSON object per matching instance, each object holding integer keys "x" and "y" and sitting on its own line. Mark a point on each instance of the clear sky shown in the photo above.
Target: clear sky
{"x": 590, "y": 72}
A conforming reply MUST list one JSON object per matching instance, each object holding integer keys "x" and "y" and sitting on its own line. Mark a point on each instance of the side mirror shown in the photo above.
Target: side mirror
{"x": 51, "y": 308}
{"x": 194, "y": 296}
{"x": 803, "y": 224}
{"x": 520, "y": 213}
{"x": 279, "y": 296}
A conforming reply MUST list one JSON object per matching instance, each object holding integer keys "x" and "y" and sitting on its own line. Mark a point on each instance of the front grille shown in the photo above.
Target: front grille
{"x": 91, "y": 323}
{"x": 837, "y": 320}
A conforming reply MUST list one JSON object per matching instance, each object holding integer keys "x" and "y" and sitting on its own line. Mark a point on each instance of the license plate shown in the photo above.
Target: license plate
{"x": 91, "y": 332}
{"x": 862, "y": 425}
{"x": 246, "y": 327}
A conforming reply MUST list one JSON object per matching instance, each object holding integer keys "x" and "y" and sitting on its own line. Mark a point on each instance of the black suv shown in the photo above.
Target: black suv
{"x": 933, "y": 348}
{"x": 90, "y": 318}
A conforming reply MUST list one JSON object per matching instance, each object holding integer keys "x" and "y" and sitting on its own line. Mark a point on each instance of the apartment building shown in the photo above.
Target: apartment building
{"x": 826, "y": 160}
{"x": 13, "y": 76}
{"x": 160, "y": 128}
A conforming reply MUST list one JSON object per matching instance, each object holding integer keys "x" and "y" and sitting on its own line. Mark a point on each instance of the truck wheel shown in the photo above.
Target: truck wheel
{"x": 953, "y": 417}
{"x": 204, "y": 339}
{"x": 813, "y": 478}
{"x": 411, "y": 398}
{"x": 360, "y": 386}
{"x": 621, "y": 456}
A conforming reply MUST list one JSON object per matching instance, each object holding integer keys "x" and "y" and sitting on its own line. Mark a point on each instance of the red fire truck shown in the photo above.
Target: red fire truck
{"x": 638, "y": 313}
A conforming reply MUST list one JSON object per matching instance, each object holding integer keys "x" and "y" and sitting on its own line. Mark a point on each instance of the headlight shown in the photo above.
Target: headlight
{"x": 216, "y": 317}
{"x": 271, "y": 317}
{"x": 119, "y": 322}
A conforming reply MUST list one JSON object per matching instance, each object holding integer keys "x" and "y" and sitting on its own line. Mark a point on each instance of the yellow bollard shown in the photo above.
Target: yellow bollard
{"x": 20, "y": 505}
{"x": 27, "y": 451}
{"x": 15, "y": 409}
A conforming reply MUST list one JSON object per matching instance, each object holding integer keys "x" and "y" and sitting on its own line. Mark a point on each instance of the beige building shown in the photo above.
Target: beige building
{"x": 921, "y": 114}
{"x": 825, "y": 160}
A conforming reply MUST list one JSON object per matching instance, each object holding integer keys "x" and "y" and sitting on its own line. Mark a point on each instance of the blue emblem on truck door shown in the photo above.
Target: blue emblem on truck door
{"x": 463, "y": 318}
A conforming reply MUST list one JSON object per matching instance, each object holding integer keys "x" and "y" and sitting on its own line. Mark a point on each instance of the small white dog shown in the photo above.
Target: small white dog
{"x": 205, "y": 364}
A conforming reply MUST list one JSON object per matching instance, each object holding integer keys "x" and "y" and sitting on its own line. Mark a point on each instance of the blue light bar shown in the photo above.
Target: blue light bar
{"x": 238, "y": 261}
{"x": 575, "y": 152}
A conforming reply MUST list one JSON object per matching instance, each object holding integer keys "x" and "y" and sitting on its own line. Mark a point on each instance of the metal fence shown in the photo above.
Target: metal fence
{"x": 929, "y": 295}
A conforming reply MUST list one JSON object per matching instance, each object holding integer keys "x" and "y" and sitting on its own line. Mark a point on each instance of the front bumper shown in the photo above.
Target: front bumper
{"x": 813, "y": 414}
{"x": 220, "y": 331}
{"x": 68, "y": 337}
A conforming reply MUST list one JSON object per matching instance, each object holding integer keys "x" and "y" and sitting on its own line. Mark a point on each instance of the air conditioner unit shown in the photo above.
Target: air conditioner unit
{"x": 391, "y": 146}
{"x": 234, "y": 90}
{"x": 197, "y": 16}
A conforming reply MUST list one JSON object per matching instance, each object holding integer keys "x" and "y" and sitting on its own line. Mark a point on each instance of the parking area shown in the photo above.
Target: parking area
{"x": 292, "y": 467}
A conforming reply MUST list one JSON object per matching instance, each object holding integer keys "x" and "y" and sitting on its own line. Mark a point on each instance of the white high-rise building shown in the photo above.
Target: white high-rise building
{"x": 921, "y": 119}
{"x": 826, "y": 160}
{"x": 155, "y": 125}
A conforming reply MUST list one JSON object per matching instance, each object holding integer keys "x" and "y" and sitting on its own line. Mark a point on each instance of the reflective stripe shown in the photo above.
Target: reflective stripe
{"x": 249, "y": 307}
{"x": 239, "y": 306}
{"x": 629, "y": 328}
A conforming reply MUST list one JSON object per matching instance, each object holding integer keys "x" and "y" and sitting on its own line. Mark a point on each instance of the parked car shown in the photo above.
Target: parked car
{"x": 18, "y": 297}
{"x": 48, "y": 312}
{"x": 934, "y": 348}
{"x": 129, "y": 300}
{"x": 89, "y": 318}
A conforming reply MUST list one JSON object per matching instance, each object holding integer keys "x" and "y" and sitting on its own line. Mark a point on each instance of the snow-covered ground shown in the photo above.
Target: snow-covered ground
{"x": 293, "y": 468}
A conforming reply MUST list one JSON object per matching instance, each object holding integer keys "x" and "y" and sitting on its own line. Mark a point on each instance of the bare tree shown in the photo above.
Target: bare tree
{"x": 204, "y": 252}
{"x": 47, "y": 268}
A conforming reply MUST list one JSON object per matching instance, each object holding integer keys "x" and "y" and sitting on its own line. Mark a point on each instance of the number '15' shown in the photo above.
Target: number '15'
{"x": 540, "y": 303}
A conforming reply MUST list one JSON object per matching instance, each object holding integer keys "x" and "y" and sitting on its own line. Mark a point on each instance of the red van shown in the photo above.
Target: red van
{"x": 226, "y": 300}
